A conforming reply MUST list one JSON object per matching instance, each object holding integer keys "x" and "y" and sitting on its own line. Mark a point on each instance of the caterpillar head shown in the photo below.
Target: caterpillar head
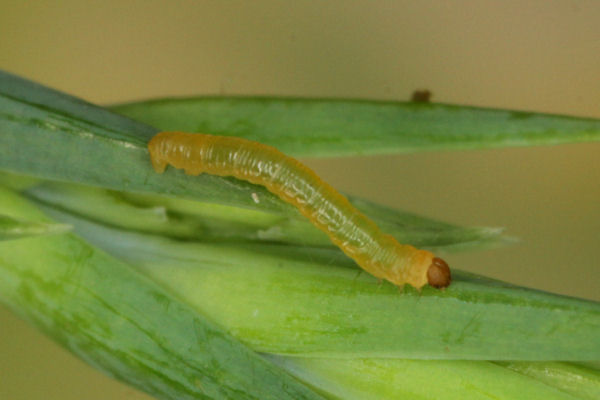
{"x": 438, "y": 273}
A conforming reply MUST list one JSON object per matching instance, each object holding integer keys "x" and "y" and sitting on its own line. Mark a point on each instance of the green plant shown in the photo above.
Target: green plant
{"x": 186, "y": 287}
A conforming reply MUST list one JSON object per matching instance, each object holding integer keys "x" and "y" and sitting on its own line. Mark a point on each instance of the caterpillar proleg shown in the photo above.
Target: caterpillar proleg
{"x": 355, "y": 234}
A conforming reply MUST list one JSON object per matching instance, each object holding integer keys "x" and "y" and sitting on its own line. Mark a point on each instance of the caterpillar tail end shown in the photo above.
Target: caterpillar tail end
{"x": 158, "y": 162}
{"x": 438, "y": 274}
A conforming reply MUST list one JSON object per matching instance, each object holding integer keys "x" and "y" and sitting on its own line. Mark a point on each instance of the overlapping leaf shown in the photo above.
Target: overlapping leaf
{"x": 212, "y": 283}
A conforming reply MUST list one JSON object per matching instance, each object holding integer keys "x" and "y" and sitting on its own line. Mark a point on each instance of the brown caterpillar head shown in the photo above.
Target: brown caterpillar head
{"x": 438, "y": 274}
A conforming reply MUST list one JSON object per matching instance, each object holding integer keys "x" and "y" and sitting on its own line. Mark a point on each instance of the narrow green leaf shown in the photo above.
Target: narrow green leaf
{"x": 580, "y": 381}
{"x": 328, "y": 127}
{"x": 315, "y": 302}
{"x": 51, "y": 135}
{"x": 12, "y": 228}
{"x": 17, "y": 182}
{"x": 121, "y": 322}
{"x": 186, "y": 219}
{"x": 363, "y": 379}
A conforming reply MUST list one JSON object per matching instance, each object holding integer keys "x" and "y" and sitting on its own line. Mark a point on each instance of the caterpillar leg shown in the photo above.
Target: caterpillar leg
{"x": 159, "y": 164}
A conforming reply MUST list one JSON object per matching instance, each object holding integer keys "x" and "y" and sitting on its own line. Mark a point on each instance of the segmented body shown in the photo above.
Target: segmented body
{"x": 355, "y": 234}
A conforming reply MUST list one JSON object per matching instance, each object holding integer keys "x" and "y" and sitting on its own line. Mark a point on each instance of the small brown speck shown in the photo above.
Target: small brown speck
{"x": 421, "y": 96}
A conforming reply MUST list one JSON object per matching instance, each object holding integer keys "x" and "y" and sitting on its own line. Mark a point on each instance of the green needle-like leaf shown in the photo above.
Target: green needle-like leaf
{"x": 192, "y": 220}
{"x": 365, "y": 379}
{"x": 328, "y": 127}
{"x": 579, "y": 380}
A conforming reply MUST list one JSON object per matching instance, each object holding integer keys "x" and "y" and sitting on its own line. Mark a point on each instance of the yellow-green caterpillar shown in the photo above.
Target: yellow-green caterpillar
{"x": 355, "y": 234}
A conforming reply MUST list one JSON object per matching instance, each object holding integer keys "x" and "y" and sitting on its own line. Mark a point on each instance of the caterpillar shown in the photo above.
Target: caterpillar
{"x": 355, "y": 234}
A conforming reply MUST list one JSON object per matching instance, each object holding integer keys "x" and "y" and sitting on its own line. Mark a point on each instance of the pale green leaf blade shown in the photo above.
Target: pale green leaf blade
{"x": 339, "y": 127}
{"x": 121, "y": 322}
{"x": 192, "y": 220}
{"x": 366, "y": 379}
{"x": 315, "y": 303}
{"x": 13, "y": 228}
{"x": 580, "y": 381}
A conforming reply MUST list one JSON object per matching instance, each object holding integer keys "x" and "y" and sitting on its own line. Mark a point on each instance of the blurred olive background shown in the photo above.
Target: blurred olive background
{"x": 535, "y": 55}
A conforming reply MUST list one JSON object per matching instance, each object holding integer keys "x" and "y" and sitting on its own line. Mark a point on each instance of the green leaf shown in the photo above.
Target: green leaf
{"x": 121, "y": 322}
{"x": 363, "y": 379}
{"x": 192, "y": 220}
{"x": 17, "y": 182}
{"x": 118, "y": 321}
{"x": 315, "y": 302}
{"x": 48, "y": 134}
{"x": 581, "y": 381}
{"x": 328, "y": 127}
{"x": 12, "y": 228}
